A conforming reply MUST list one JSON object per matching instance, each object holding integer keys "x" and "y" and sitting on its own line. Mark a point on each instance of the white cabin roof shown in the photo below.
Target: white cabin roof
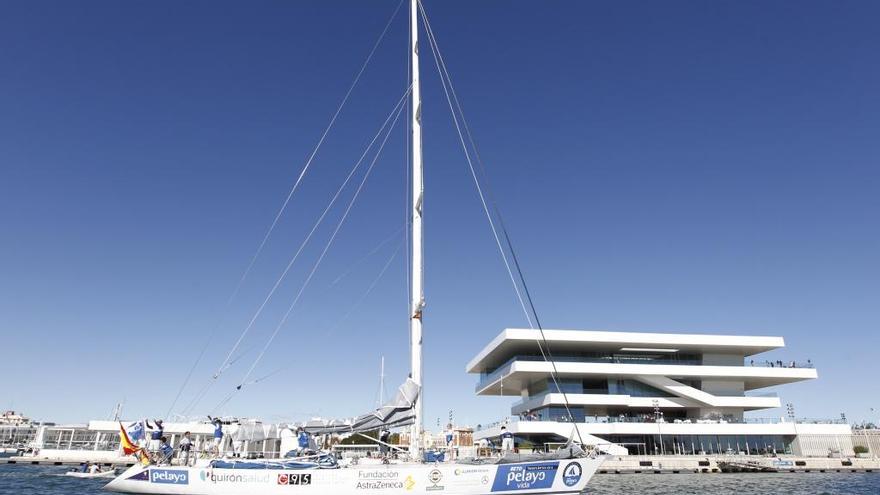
{"x": 512, "y": 341}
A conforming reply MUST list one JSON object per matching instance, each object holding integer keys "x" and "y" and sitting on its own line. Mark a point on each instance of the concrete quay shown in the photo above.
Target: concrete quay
{"x": 718, "y": 464}
{"x": 68, "y": 461}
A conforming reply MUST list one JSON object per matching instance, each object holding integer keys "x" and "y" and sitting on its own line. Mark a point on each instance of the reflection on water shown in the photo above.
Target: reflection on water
{"x": 736, "y": 483}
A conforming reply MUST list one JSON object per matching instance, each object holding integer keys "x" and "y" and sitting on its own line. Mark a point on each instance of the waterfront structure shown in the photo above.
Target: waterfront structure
{"x": 12, "y": 418}
{"x": 649, "y": 393}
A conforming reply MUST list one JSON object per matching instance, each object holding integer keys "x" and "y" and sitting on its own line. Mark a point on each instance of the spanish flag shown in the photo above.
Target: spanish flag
{"x": 129, "y": 448}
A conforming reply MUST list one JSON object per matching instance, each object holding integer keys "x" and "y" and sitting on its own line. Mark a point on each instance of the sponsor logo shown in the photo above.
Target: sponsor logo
{"x": 434, "y": 477}
{"x": 295, "y": 479}
{"x": 459, "y": 472}
{"x": 224, "y": 477}
{"x": 525, "y": 476}
{"x": 379, "y": 485}
{"x": 378, "y": 475}
{"x": 409, "y": 483}
{"x": 169, "y": 476}
{"x": 572, "y": 474}
{"x": 379, "y": 480}
{"x": 141, "y": 476}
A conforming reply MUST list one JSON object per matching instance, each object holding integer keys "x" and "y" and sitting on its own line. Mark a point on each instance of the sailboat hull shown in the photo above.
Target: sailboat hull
{"x": 557, "y": 476}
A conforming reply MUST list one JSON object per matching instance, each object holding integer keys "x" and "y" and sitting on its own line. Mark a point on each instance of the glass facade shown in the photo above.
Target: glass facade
{"x": 602, "y": 386}
{"x": 690, "y": 444}
{"x": 634, "y": 389}
{"x": 703, "y": 444}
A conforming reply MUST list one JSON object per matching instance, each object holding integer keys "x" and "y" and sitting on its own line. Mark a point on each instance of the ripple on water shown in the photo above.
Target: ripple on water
{"x": 736, "y": 483}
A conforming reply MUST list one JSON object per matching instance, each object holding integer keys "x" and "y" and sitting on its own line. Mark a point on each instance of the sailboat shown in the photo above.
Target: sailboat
{"x": 566, "y": 470}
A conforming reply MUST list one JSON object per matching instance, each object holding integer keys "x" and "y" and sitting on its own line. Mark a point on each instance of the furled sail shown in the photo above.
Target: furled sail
{"x": 251, "y": 432}
{"x": 397, "y": 412}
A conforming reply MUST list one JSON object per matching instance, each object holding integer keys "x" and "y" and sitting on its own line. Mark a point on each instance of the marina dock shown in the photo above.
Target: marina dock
{"x": 49, "y": 461}
{"x": 728, "y": 463}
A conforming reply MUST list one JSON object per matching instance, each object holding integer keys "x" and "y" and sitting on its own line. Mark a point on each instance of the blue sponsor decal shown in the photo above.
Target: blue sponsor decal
{"x": 169, "y": 476}
{"x": 524, "y": 476}
{"x": 572, "y": 474}
{"x": 141, "y": 476}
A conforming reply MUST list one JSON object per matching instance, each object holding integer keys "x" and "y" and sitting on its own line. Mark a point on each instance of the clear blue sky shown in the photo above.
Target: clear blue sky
{"x": 705, "y": 167}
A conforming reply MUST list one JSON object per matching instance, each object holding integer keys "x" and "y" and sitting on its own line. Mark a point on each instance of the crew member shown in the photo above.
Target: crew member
{"x": 165, "y": 451}
{"x": 385, "y": 437}
{"x": 506, "y": 440}
{"x": 185, "y": 448}
{"x": 450, "y": 437}
{"x": 218, "y": 434}
{"x": 156, "y": 435}
{"x": 302, "y": 439}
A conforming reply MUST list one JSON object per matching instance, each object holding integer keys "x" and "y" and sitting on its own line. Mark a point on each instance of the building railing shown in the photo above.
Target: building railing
{"x": 649, "y": 419}
{"x": 488, "y": 377}
{"x": 780, "y": 364}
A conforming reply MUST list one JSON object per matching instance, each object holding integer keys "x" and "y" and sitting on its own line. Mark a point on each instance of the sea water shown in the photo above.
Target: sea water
{"x": 17, "y": 479}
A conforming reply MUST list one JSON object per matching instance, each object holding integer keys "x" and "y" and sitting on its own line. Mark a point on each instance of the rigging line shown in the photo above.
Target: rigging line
{"x": 189, "y": 375}
{"x": 326, "y": 248}
{"x": 318, "y": 146}
{"x": 476, "y": 182}
{"x": 438, "y": 59}
{"x": 222, "y": 403}
{"x": 286, "y": 202}
{"x": 224, "y": 367}
{"x": 364, "y": 296}
{"x": 198, "y": 397}
{"x": 375, "y": 250}
{"x": 302, "y": 246}
{"x": 267, "y": 376}
{"x": 314, "y": 152}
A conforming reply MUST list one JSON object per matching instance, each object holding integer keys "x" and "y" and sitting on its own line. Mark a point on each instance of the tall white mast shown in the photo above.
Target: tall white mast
{"x": 381, "y": 400}
{"x": 418, "y": 296}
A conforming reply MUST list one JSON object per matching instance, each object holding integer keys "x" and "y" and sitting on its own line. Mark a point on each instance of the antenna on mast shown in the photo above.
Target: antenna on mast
{"x": 117, "y": 411}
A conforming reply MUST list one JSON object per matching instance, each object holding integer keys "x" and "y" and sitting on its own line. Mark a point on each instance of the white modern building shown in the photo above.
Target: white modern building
{"x": 649, "y": 393}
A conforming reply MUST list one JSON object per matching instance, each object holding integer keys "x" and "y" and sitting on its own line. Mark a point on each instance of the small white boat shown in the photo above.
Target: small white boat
{"x": 100, "y": 474}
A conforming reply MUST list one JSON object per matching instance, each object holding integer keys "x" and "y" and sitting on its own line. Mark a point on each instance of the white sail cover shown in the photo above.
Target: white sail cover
{"x": 250, "y": 432}
{"x": 397, "y": 412}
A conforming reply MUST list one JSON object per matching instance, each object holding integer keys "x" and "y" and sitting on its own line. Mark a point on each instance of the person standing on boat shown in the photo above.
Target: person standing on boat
{"x": 166, "y": 452}
{"x": 506, "y": 440}
{"x": 302, "y": 439}
{"x": 450, "y": 440}
{"x": 156, "y": 435}
{"x": 185, "y": 448}
{"x": 218, "y": 434}
{"x": 385, "y": 438}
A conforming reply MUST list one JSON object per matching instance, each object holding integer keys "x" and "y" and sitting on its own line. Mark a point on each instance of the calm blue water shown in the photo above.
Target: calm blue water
{"x": 45, "y": 480}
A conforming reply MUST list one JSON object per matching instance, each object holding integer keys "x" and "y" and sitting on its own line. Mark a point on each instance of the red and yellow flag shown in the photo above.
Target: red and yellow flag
{"x": 128, "y": 448}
